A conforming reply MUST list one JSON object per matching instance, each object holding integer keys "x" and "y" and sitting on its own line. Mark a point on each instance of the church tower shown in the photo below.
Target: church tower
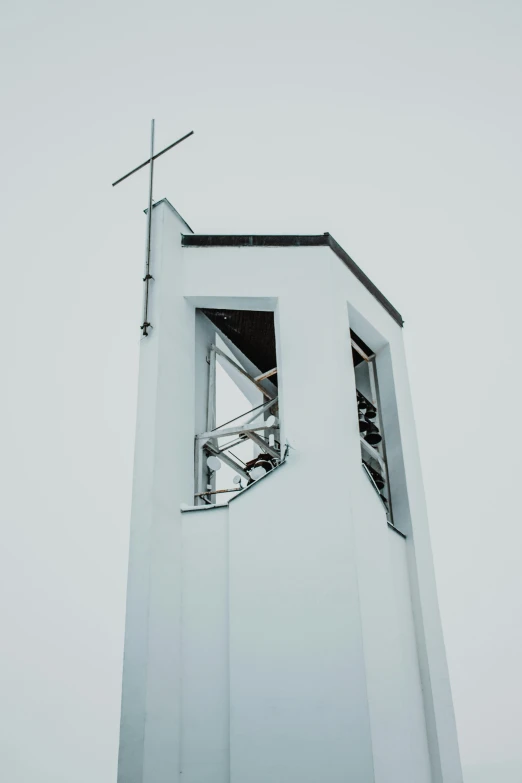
{"x": 282, "y": 617}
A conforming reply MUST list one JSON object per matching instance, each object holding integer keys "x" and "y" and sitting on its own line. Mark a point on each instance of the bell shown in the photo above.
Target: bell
{"x": 214, "y": 463}
{"x": 373, "y": 436}
{"x": 259, "y": 466}
{"x": 363, "y": 424}
{"x": 371, "y": 412}
{"x": 264, "y": 462}
{"x": 376, "y": 476}
{"x": 379, "y": 481}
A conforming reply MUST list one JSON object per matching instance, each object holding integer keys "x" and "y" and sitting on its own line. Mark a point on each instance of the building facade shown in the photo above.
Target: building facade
{"x": 282, "y": 617}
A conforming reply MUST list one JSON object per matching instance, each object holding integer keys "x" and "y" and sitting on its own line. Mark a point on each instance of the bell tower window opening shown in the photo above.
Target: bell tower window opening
{"x": 371, "y": 431}
{"x": 241, "y": 440}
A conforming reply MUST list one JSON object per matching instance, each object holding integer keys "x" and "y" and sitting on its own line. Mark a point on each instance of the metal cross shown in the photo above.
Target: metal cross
{"x": 146, "y": 325}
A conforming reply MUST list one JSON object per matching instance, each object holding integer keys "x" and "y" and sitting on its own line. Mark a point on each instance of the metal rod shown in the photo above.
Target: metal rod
{"x": 211, "y": 395}
{"x": 149, "y": 233}
{"x": 154, "y": 157}
{"x": 264, "y": 445}
{"x": 198, "y": 467}
{"x": 217, "y": 492}
{"x": 260, "y": 410}
{"x": 231, "y": 444}
{"x": 231, "y": 431}
{"x": 372, "y": 452}
{"x": 266, "y": 375}
{"x": 243, "y": 372}
{"x": 264, "y": 405}
{"x": 211, "y": 408}
{"x": 228, "y": 461}
{"x": 238, "y": 458}
{"x": 360, "y": 351}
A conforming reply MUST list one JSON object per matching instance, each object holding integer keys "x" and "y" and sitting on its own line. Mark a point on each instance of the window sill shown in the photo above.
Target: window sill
{"x": 396, "y": 530}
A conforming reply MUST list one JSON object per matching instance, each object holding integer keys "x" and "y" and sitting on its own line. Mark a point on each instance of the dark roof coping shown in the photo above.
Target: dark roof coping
{"x": 292, "y": 240}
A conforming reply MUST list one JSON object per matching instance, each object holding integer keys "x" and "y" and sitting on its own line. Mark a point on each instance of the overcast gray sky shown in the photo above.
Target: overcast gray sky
{"x": 396, "y": 127}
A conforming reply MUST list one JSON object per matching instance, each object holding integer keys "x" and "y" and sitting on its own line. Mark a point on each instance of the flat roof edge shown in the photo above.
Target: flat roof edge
{"x": 365, "y": 280}
{"x": 293, "y": 240}
{"x": 254, "y": 240}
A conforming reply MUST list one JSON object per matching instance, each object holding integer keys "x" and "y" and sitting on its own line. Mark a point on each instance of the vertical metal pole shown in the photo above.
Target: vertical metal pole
{"x": 148, "y": 275}
{"x": 198, "y": 452}
{"x": 211, "y": 395}
{"x": 211, "y": 416}
{"x": 200, "y": 467}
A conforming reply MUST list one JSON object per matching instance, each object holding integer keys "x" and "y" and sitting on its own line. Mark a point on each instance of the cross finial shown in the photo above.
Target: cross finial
{"x": 146, "y": 325}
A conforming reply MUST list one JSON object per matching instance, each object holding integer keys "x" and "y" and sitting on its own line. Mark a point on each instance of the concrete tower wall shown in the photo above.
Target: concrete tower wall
{"x": 291, "y": 635}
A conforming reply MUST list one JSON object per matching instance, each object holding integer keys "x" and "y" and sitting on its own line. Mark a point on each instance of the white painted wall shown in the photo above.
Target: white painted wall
{"x": 151, "y": 700}
{"x": 204, "y": 729}
{"x": 289, "y": 636}
{"x": 297, "y": 663}
{"x": 392, "y": 669}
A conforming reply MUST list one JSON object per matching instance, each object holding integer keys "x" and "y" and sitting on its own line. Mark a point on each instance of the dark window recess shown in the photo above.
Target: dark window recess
{"x": 373, "y": 447}
{"x": 252, "y": 331}
{"x": 239, "y": 439}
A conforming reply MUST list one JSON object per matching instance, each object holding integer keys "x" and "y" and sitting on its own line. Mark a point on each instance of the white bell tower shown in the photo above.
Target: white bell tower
{"x": 282, "y": 617}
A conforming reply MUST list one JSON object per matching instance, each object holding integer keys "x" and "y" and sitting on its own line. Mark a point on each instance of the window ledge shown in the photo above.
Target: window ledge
{"x": 396, "y": 529}
{"x": 185, "y": 507}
